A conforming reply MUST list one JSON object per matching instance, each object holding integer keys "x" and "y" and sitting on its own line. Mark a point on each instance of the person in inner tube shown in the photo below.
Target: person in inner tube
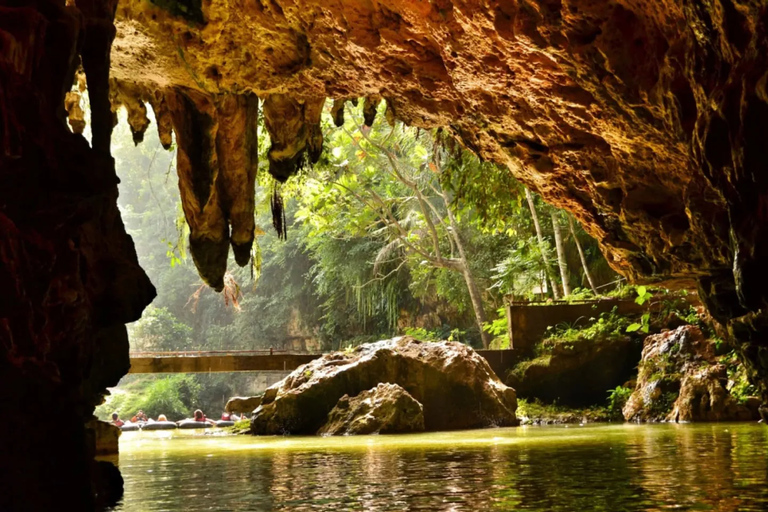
{"x": 140, "y": 416}
{"x": 199, "y": 416}
{"x": 116, "y": 420}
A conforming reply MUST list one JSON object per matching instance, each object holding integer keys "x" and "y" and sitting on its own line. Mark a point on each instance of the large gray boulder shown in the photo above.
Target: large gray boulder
{"x": 385, "y": 409}
{"x": 456, "y": 387}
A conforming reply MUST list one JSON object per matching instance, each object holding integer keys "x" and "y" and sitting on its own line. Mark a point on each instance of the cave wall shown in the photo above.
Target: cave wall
{"x": 69, "y": 276}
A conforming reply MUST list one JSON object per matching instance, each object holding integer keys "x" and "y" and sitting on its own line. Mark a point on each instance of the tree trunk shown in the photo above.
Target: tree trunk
{"x": 581, "y": 256}
{"x": 477, "y": 305}
{"x": 561, "y": 254}
{"x": 474, "y": 293}
{"x": 540, "y": 237}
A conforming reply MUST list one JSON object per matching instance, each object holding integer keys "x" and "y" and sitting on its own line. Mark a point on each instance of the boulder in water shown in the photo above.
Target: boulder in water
{"x": 456, "y": 387}
{"x": 385, "y": 409}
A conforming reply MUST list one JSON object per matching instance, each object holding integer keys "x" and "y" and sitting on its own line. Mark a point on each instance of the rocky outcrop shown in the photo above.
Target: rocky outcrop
{"x": 680, "y": 379}
{"x": 576, "y": 374}
{"x": 455, "y": 386}
{"x": 106, "y": 437}
{"x": 242, "y": 405}
{"x": 385, "y": 409}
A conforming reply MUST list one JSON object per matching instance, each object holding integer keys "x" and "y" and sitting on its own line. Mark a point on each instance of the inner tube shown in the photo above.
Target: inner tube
{"x": 130, "y": 427}
{"x": 194, "y": 424}
{"x": 225, "y": 423}
{"x": 159, "y": 425}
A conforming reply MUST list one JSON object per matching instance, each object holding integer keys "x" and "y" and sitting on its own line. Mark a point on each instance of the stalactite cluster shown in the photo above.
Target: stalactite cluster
{"x": 217, "y": 139}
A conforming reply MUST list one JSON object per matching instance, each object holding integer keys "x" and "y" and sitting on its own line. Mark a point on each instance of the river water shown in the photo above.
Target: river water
{"x": 722, "y": 467}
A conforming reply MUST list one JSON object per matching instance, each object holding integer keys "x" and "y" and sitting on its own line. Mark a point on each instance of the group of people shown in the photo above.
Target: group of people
{"x": 198, "y": 415}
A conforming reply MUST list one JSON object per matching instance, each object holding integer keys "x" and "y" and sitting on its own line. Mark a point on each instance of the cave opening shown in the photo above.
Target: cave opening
{"x": 70, "y": 277}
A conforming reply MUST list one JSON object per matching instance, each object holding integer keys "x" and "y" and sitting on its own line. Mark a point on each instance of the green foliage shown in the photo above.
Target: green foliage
{"x": 643, "y": 326}
{"x": 499, "y": 328}
{"x": 534, "y": 411}
{"x": 607, "y": 325}
{"x": 445, "y": 333}
{"x": 739, "y": 385}
{"x": 159, "y": 330}
{"x": 617, "y": 398}
{"x": 176, "y": 397}
{"x": 643, "y": 295}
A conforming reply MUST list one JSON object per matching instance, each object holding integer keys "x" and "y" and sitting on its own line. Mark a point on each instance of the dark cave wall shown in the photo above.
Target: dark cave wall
{"x": 69, "y": 276}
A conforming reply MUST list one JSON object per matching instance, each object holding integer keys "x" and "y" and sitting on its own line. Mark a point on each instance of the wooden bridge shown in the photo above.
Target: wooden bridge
{"x": 260, "y": 361}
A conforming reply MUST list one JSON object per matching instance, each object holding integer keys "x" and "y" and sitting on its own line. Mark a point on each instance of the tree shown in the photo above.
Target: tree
{"x": 561, "y": 262}
{"x": 542, "y": 245}
{"x": 582, "y": 258}
{"x": 393, "y": 182}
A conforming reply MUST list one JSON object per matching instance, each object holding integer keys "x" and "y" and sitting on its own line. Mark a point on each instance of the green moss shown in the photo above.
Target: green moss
{"x": 617, "y": 398}
{"x": 518, "y": 372}
{"x": 240, "y": 427}
{"x": 537, "y": 412}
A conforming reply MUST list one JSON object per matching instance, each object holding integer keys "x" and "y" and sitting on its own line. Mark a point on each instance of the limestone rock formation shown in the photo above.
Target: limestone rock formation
{"x": 680, "y": 379}
{"x": 242, "y": 405}
{"x": 647, "y": 120}
{"x": 455, "y": 386}
{"x": 385, "y": 409}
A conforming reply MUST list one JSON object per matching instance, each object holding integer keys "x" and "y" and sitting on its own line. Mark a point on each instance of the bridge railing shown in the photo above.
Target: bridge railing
{"x": 201, "y": 353}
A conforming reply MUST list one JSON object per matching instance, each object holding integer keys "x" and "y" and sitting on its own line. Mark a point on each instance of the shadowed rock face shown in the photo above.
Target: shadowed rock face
{"x": 69, "y": 276}
{"x": 455, "y": 386}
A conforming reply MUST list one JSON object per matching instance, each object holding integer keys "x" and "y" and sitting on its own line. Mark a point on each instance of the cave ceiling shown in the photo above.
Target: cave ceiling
{"x": 647, "y": 120}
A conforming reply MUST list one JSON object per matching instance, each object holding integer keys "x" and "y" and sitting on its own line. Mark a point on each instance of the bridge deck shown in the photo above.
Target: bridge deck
{"x": 254, "y": 361}
{"x": 218, "y": 363}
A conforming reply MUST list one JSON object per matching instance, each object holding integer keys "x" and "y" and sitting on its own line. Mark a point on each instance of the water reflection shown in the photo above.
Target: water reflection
{"x": 653, "y": 467}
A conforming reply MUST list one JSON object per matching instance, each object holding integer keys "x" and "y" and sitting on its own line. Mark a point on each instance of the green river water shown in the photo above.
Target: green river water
{"x": 721, "y": 467}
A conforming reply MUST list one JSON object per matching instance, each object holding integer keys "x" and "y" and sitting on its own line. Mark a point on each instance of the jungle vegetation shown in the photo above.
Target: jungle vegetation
{"x": 394, "y": 231}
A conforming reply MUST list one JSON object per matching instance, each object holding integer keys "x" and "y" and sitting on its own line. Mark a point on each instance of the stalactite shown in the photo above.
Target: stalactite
{"x": 195, "y": 125}
{"x": 294, "y": 129}
{"x": 313, "y": 109}
{"x": 162, "y": 118}
{"x": 389, "y": 114}
{"x": 278, "y": 213}
{"x": 75, "y": 113}
{"x": 337, "y": 112}
{"x": 369, "y": 109}
{"x": 236, "y": 181}
{"x": 133, "y": 97}
{"x": 284, "y": 119}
